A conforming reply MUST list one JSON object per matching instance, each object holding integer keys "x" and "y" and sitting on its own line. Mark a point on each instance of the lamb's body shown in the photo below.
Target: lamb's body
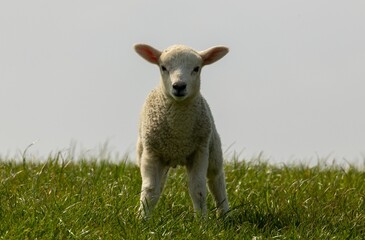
{"x": 173, "y": 130}
{"x": 177, "y": 128}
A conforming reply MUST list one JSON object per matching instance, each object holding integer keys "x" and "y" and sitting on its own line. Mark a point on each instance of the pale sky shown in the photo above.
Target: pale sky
{"x": 292, "y": 85}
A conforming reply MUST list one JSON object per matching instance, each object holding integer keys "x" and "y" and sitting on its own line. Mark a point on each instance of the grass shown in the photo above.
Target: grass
{"x": 60, "y": 199}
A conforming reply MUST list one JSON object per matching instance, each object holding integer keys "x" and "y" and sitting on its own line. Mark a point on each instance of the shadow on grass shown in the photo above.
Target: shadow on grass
{"x": 267, "y": 223}
{"x": 262, "y": 221}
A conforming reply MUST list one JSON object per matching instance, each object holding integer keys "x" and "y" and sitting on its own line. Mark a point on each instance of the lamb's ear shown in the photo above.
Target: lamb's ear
{"x": 213, "y": 54}
{"x": 147, "y": 52}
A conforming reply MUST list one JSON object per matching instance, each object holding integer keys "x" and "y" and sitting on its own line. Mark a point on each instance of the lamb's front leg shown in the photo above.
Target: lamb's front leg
{"x": 197, "y": 171}
{"x": 153, "y": 174}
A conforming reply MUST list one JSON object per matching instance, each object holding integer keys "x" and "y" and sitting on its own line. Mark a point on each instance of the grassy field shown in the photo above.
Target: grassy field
{"x": 61, "y": 199}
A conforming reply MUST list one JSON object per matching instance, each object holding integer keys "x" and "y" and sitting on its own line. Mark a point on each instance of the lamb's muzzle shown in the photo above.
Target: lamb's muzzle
{"x": 179, "y": 89}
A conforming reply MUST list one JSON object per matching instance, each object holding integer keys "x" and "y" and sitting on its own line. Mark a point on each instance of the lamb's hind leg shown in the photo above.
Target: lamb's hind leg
{"x": 217, "y": 182}
{"x": 197, "y": 170}
{"x": 153, "y": 174}
{"x": 217, "y": 187}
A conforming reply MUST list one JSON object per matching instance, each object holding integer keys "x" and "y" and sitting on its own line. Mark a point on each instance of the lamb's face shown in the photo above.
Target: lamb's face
{"x": 180, "y": 68}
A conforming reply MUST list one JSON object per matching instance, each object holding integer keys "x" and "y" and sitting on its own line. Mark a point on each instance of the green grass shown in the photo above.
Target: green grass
{"x": 98, "y": 200}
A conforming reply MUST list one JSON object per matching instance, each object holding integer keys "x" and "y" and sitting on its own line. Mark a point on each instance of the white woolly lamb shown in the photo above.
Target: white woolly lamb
{"x": 177, "y": 128}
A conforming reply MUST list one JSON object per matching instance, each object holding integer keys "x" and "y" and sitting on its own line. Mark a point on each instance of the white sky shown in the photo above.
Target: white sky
{"x": 293, "y": 84}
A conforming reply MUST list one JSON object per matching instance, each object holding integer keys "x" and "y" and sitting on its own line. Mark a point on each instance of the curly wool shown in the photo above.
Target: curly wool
{"x": 175, "y": 130}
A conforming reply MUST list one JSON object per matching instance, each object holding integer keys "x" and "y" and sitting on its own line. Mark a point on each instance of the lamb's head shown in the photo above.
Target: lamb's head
{"x": 180, "y": 67}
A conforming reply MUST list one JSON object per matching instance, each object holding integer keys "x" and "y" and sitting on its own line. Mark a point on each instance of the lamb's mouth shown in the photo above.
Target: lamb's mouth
{"x": 178, "y": 94}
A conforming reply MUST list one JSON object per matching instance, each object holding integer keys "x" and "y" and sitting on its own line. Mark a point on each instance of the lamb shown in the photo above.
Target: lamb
{"x": 177, "y": 128}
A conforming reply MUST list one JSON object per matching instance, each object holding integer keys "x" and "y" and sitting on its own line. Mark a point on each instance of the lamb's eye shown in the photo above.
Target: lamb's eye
{"x": 196, "y": 69}
{"x": 163, "y": 68}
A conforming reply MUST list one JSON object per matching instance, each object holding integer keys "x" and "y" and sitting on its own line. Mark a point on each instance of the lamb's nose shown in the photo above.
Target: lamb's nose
{"x": 179, "y": 86}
